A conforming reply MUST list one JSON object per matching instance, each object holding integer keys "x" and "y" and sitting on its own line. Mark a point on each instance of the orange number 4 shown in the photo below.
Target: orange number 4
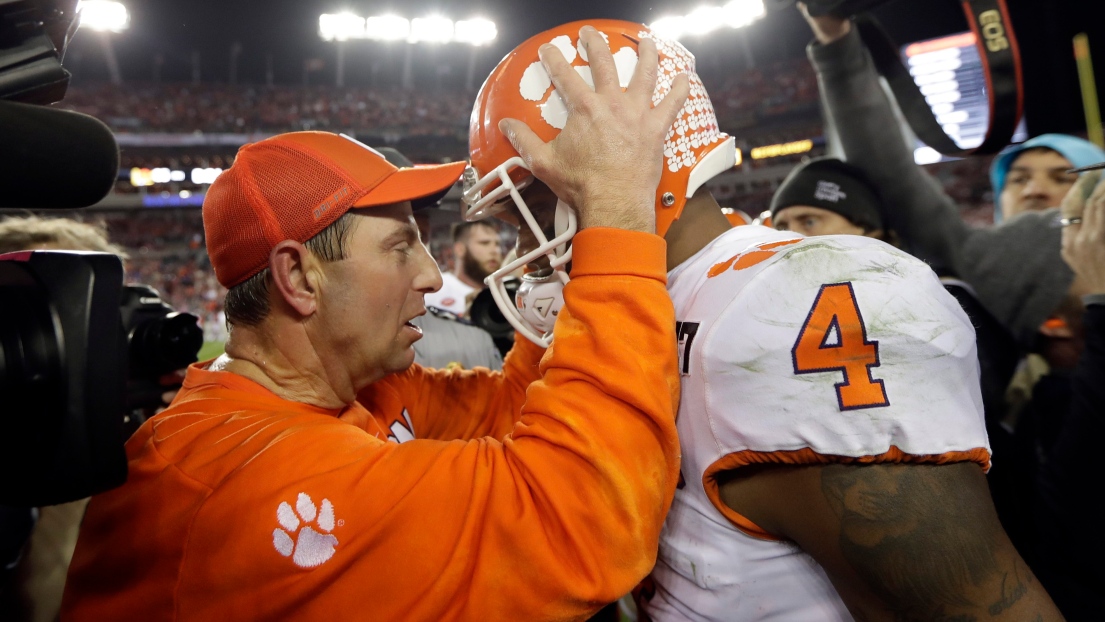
{"x": 835, "y": 339}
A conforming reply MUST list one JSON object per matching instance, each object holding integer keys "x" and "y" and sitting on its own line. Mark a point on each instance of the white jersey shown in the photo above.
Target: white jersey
{"x": 801, "y": 351}
{"x": 452, "y": 296}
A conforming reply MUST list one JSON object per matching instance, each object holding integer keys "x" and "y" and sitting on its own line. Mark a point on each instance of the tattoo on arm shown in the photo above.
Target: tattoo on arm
{"x": 914, "y": 536}
{"x": 1013, "y": 587}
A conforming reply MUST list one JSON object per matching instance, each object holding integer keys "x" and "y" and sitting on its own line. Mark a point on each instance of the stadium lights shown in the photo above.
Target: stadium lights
{"x": 475, "y": 31}
{"x": 387, "y": 28}
{"x": 431, "y": 29}
{"x": 775, "y": 151}
{"x": 341, "y": 26}
{"x": 103, "y": 16}
{"x": 706, "y": 19}
{"x": 140, "y": 177}
{"x": 434, "y": 29}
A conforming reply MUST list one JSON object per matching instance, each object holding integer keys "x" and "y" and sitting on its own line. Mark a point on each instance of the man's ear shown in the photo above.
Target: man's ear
{"x": 459, "y": 250}
{"x": 293, "y": 270}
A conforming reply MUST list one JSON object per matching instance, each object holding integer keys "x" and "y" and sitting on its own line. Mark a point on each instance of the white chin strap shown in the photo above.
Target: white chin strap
{"x": 537, "y": 303}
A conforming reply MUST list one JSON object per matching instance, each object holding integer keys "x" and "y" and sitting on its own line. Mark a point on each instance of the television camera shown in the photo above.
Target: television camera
{"x": 78, "y": 348}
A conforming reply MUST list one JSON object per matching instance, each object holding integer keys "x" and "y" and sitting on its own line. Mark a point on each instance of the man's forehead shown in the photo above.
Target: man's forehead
{"x": 796, "y": 211}
{"x": 386, "y": 220}
{"x": 394, "y": 211}
{"x": 485, "y": 230}
{"x": 1040, "y": 158}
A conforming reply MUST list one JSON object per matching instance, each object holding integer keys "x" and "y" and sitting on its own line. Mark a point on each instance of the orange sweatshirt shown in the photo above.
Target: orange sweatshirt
{"x": 446, "y": 405}
{"x": 243, "y": 506}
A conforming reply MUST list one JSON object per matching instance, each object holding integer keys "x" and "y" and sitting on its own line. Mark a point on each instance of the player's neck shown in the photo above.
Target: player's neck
{"x": 699, "y": 224}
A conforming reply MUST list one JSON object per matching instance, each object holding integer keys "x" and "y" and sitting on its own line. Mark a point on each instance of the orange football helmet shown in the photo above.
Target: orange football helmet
{"x": 519, "y": 87}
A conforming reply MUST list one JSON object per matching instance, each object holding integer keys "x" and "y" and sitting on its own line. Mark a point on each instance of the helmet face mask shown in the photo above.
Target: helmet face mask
{"x": 499, "y": 186}
{"x": 520, "y": 88}
{"x": 539, "y": 297}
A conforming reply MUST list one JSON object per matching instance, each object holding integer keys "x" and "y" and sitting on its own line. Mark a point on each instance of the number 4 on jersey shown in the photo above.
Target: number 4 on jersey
{"x": 835, "y": 339}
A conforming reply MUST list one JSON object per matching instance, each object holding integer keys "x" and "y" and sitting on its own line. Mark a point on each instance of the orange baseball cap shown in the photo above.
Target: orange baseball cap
{"x": 292, "y": 186}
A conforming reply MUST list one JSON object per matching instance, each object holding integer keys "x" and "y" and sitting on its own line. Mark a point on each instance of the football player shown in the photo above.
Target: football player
{"x": 833, "y": 445}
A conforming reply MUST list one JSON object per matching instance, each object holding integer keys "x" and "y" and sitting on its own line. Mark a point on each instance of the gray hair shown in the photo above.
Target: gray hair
{"x": 247, "y": 303}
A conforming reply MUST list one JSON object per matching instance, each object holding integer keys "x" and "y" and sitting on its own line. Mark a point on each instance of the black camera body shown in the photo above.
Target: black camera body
{"x": 60, "y": 383}
{"x": 78, "y": 350}
{"x": 160, "y": 340}
{"x": 1001, "y": 61}
{"x": 33, "y": 37}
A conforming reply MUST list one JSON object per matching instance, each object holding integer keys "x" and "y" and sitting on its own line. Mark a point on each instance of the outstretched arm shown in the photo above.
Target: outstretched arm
{"x": 925, "y": 218}
{"x": 900, "y": 542}
{"x": 855, "y": 104}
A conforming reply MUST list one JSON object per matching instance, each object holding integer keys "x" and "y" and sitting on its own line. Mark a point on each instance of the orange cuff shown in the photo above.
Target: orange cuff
{"x": 600, "y": 251}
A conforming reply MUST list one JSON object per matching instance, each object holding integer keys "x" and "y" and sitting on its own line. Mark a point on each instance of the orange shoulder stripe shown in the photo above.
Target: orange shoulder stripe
{"x": 807, "y": 456}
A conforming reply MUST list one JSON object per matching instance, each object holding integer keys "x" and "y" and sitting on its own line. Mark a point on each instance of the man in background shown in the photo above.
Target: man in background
{"x": 1035, "y": 175}
{"x": 448, "y": 342}
{"x": 1015, "y": 266}
{"x": 477, "y": 252}
{"x": 827, "y": 196}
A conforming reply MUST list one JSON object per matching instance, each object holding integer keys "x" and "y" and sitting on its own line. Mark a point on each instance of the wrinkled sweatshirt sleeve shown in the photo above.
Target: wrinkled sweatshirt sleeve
{"x": 468, "y": 403}
{"x": 1015, "y": 267}
{"x": 561, "y": 516}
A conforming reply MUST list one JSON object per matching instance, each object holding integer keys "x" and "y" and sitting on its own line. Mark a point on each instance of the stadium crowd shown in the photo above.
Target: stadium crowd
{"x": 781, "y": 92}
{"x": 250, "y": 109}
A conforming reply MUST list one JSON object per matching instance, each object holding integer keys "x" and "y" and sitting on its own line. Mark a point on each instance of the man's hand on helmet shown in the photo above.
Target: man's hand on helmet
{"x": 607, "y": 161}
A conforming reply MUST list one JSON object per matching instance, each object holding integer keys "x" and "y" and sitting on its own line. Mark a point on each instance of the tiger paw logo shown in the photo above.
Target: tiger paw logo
{"x": 536, "y": 86}
{"x": 304, "y": 531}
{"x": 751, "y": 257}
{"x": 695, "y": 128}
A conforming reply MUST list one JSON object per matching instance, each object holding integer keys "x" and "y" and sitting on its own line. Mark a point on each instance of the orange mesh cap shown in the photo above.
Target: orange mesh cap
{"x": 292, "y": 186}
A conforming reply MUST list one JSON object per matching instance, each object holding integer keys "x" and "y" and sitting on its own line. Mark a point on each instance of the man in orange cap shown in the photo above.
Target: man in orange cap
{"x": 273, "y": 488}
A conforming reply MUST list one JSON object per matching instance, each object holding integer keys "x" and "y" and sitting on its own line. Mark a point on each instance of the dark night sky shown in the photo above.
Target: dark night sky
{"x": 286, "y": 29}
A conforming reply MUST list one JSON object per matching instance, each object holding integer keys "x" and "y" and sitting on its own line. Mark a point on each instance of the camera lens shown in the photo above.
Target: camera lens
{"x": 162, "y": 344}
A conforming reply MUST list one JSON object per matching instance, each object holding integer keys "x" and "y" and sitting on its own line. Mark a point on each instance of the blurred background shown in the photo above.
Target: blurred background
{"x": 184, "y": 84}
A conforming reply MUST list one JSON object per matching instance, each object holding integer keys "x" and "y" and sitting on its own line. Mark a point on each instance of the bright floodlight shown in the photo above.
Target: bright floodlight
{"x": 103, "y": 16}
{"x": 668, "y": 27}
{"x": 703, "y": 20}
{"x": 434, "y": 29}
{"x": 341, "y": 27}
{"x": 739, "y": 13}
{"x": 475, "y": 31}
{"x": 387, "y": 28}
{"x": 706, "y": 19}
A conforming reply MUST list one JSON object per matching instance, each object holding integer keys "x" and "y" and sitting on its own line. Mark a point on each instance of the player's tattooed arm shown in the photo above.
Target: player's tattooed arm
{"x": 900, "y": 542}
{"x": 925, "y": 540}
